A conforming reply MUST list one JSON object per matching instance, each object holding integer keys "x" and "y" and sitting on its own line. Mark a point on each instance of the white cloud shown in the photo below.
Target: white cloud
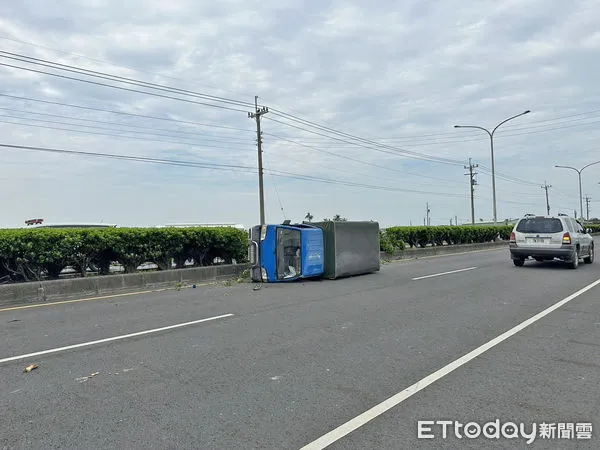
{"x": 402, "y": 74}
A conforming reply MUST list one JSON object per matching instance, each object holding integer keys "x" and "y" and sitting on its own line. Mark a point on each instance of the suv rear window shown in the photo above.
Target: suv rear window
{"x": 540, "y": 225}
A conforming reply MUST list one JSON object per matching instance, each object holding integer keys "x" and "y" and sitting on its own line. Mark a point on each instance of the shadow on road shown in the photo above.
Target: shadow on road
{"x": 550, "y": 265}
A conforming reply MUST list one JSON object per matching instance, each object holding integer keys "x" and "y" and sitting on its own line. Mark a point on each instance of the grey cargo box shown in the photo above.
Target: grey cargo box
{"x": 351, "y": 248}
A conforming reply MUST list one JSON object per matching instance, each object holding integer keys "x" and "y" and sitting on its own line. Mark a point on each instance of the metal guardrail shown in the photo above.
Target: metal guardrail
{"x": 70, "y": 272}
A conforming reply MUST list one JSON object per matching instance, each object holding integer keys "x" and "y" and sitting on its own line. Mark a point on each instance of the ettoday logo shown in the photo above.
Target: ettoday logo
{"x": 427, "y": 429}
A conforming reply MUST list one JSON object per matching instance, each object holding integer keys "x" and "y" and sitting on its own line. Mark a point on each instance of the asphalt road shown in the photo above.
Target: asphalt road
{"x": 294, "y": 362}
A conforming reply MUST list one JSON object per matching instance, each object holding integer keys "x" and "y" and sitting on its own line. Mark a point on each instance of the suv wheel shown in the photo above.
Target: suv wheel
{"x": 574, "y": 263}
{"x": 518, "y": 262}
{"x": 590, "y": 258}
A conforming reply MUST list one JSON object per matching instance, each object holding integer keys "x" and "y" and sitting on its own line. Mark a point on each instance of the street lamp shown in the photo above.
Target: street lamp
{"x": 491, "y": 134}
{"x": 579, "y": 173}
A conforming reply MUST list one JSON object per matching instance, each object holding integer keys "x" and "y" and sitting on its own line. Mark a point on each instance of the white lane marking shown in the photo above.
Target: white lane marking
{"x": 116, "y": 338}
{"x": 360, "y": 420}
{"x": 444, "y": 273}
{"x": 409, "y": 259}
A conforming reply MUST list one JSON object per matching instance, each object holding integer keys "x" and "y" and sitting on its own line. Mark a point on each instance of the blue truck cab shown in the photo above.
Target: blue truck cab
{"x": 329, "y": 249}
{"x": 286, "y": 252}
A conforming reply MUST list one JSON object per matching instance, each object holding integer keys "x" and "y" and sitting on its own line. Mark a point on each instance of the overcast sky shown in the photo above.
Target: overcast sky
{"x": 396, "y": 75}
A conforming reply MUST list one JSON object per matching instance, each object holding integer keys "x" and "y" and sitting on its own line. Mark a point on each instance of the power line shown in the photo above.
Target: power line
{"x": 117, "y": 135}
{"x": 266, "y": 164}
{"x": 362, "y": 185}
{"x": 107, "y": 76}
{"x": 371, "y": 147}
{"x": 511, "y": 179}
{"x": 452, "y": 136}
{"x": 215, "y": 166}
{"x": 184, "y": 133}
{"x": 239, "y": 129}
{"x": 141, "y": 116}
{"x": 46, "y": 63}
{"x": 458, "y": 140}
{"x": 349, "y": 158}
{"x": 195, "y": 143}
{"x": 446, "y": 138}
{"x": 339, "y": 170}
{"x": 511, "y": 127}
{"x": 519, "y": 181}
{"x": 508, "y": 177}
{"x": 9, "y": 38}
{"x": 121, "y": 88}
{"x": 505, "y": 135}
{"x": 234, "y": 167}
{"x": 378, "y": 145}
{"x": 169, "y": 89}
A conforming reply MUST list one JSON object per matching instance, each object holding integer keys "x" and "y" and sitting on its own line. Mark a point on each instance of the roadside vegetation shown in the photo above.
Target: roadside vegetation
{"x": 45, "y": 253}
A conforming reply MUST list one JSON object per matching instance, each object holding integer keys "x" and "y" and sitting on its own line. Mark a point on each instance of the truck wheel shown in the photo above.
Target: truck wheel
{"x": 519, "y": 262}
{"x": 590, "y": 258}
{"x": 574, "y": 263}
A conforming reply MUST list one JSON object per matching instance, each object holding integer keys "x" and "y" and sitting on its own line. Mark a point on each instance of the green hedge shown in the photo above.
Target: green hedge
{"x": 397, "y": 238}
{"x": 594, "y": 227}
{"x": 36, "y": 254}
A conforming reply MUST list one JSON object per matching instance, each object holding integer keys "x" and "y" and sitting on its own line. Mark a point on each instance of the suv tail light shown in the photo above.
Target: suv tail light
{"x": 513, "y": 237}
{"x": 566, "y": 238}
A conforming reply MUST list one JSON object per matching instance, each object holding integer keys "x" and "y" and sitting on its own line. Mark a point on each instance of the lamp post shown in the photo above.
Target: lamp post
{"x": 579, "y": 174}
{"x": 491, "y": 135}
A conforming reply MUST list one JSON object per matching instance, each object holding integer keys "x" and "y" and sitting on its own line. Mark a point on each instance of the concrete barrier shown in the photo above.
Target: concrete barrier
{"x": 414, "y": 253}
{"x": 52, "y": 290}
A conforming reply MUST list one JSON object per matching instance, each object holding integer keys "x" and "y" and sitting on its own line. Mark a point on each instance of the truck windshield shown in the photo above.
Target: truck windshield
{"x": 288, "y": 253}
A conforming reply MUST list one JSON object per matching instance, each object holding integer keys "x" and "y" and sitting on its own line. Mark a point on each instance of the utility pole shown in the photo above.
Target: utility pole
{"x": 546, "y": 186}
{"x": 428, "y": 211}
{"x": 473, "y": 183}
{"x": 455, "y": 220}
{"x": 257, "y": 115}
{"x": 588, "y": 199}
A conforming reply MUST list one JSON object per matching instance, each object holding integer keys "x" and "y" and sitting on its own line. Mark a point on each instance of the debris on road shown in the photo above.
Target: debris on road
{"x": 245, "y": 277}
{"x": 30, "y": 367}
{"x": 84, "y": 379}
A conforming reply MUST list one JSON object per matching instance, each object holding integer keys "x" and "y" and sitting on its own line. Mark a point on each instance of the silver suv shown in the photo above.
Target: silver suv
{"x": 545, "y": 238}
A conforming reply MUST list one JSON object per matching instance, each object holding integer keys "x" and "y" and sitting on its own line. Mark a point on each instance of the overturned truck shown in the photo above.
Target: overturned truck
{"x": 330, "y": 249}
